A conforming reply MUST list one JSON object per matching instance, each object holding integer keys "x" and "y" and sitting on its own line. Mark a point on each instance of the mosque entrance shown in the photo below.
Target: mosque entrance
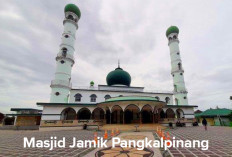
{"x": 117, "y": 115}
{"x": 84, "y": 113}
{"x": 132, "y": 114}
{"x": 147, "y": 115}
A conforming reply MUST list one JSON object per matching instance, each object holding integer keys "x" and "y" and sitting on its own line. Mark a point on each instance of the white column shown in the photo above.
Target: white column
{"x": 180, "y": 91}
{"x": 61, "y": 85}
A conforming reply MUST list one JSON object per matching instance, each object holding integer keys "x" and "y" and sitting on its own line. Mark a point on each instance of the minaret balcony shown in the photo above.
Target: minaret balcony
{"x": 61, "y": 83}
{"x": 177, "y": 70}
{"x": 180, "y": 92}
{"x": 60, "y": 56}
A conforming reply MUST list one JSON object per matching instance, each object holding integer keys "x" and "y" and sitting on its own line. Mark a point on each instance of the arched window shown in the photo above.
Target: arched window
{"x": 174, "y": 37}
{"x": 107, "y": 96}
{"x": 78, "y": 97}
{"x": 167, "y": 100}
{"x": 179, "y": 66}
{"x": 64, "y": 51}
{"x": 93, "y": 98}
{"x": 169, "y": 38}
{"x": 176, "y": 101}
{"x": 70, "y": 17}
{"x": 175, "y": 88}
{"x": 157, "y": 98}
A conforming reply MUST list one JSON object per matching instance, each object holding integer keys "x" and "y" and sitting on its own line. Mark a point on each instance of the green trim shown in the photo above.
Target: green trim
{"x": 23, "y": 114}
{"x": 116, "y": 99}
{"x": 21, "y": 109}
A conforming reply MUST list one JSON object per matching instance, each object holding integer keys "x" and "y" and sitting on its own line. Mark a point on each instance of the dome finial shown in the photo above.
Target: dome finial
{"x": 118, "y": 63}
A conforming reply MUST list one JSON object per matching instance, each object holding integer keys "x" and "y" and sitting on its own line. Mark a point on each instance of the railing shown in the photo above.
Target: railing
{"x": 177, "y": 70}
{"x": 180, "y": 91}
{"x": 67, "y": 56}
{"x": 62, "y": 83}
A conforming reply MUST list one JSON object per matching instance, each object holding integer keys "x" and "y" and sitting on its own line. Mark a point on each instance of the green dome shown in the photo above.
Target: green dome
{"x": 172, "y": 29}
{"x": 118, "y": 77}
{"x": 73, "y": 8}
{"x": 91, "y": 83}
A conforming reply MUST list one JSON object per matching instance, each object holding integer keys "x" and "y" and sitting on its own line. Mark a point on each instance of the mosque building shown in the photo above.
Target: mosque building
{"x": 117, "y": 102}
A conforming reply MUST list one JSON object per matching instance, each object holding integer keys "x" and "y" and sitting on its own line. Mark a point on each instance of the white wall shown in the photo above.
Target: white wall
{"x": 101, "y": 94}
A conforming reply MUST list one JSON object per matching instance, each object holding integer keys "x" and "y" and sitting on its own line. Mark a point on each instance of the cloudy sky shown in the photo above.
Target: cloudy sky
{"x": 132, "y": 31}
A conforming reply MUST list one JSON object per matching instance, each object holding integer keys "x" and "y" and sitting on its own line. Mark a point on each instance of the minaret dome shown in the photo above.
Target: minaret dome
{"x": 73, "y": 8}
{"x": 172, "y": 29}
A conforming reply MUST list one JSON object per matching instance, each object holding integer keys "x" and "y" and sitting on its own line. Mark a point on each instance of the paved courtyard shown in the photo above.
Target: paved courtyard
{"x": 220, "y": 141}
{"x": 11, "y": 142}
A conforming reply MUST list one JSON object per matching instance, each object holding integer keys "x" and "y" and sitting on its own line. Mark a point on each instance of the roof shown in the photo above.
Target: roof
{"x": 132, "y": 98}
{"x": 172, "y": 29}
{"x": 214, "y": 112}
{"x": 24, "y": 109}
{"x": 158, "y": 92}
{"x": 118, "y": 77}
{"x": 64, "y": 104}
{"x": 73, "y": 8}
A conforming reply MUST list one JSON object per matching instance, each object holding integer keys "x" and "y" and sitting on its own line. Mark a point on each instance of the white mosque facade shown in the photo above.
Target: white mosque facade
{"x": 116, "y": 102}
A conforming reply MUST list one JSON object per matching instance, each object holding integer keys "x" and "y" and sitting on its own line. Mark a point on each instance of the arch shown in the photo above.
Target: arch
{"x": 68, "y": 114}
{"x": 170, "y": 38}
{"x": 167, "y": 100}
{"x": 161, "y": 113}
{"x": 176, "y": 101}
{"x": 107, "y": 96}
{"x": 147, "y": 114}
{"x": 84, "y": 113}
{"x": 170, "y": 113}
{"x": 132, "y": 114}
{"x": 78, "y": 97}
{"x": 116, "y": 114}
{"x": 70, "y": 17}
{"x": 179, "y": 113}
{"x": 157, "y": 98}
{"x": 98, "y": 113}
{"x": 174, "y": 37}
{"x": 147, "y": 106}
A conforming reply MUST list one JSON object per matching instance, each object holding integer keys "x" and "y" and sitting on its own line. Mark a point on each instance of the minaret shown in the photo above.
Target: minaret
{"x": 61, "y": 85}
{"x": 180, "y": 92}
